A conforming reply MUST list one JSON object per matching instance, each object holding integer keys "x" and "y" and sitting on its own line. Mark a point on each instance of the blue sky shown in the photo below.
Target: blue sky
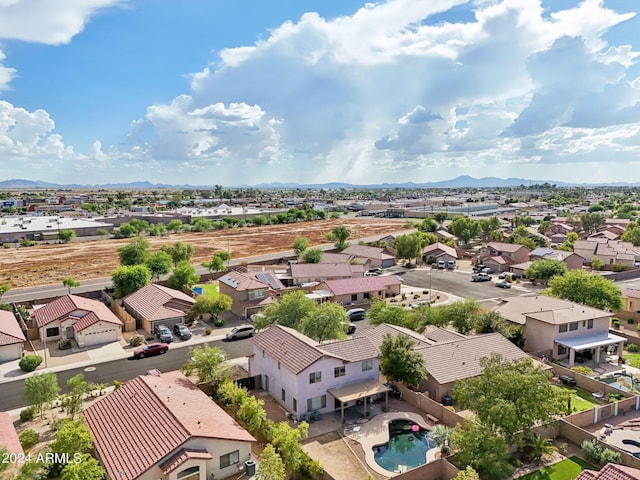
{"x": 246, "y": 92}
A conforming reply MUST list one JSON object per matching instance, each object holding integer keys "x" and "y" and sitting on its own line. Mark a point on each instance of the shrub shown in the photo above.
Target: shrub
{"x": 208, "y": 331}
{"x": 618, "y": 267}
{"x": 598, "y": 455}
{"x": 64, "y": 344}
{"x": 425, "y": 292}
{"x": 136, "y": 340}
{"x": 29, "y": 363}
{"x": 632, "y": 348}
{"x": 28, "y": 413}
{"x": 583, "y": 370}
{"x": 28, "y": 439}
{"x": 218, "y": 322}
{"x": 616, "y": 323}
{"x": 117, "y": 384}
{"x": 630, "y": 321}
{"x": 615, "y": 397}
{"x": 6, "y": 245}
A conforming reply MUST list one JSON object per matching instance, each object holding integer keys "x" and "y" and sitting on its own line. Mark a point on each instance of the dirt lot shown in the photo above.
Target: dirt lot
{"x": 82, "y": 260}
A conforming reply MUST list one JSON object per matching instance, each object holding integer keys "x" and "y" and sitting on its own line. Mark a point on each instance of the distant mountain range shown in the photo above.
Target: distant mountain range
{"x": 463, "y": 181}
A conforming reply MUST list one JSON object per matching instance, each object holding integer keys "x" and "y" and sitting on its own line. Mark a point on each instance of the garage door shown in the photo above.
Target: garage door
{"x": 10, "y": 352}
{"x": 104, "y": 335}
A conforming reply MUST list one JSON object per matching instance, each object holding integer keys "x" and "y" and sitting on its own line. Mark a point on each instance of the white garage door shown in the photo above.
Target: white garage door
{"x": 103, "y": 335}
{"x": 10, "y": 352}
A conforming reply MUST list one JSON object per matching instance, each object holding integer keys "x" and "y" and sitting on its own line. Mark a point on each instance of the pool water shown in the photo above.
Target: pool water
{"x": 621, "y": 382}
{"x": 406, "y": 448}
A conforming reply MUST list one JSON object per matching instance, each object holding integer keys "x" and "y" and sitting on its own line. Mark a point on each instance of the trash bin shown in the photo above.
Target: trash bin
{"x": 316, "y": 416}
{"x": 250, "y": 468}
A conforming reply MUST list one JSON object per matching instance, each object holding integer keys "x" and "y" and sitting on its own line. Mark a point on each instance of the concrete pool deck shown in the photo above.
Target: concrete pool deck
{"x": 376, "y": 432}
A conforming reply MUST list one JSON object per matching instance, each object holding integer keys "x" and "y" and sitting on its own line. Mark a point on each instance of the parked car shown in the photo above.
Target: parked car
{"x": 356, "y": 314}
{"x": 150, "y": 350}
{"x": 480, "y": 277}
{"x": 378, "y": 270}
{"x": 182, "y": 331}
{"x": 451, "y": 264}
{"x": 164, "y": 334}
{"x": 371, "y": 273}
{"x": 243, "y": 331}
{"x": 503, "y": 284}
{"x": 349, "y": 328}
{"x": 441, "y": 264}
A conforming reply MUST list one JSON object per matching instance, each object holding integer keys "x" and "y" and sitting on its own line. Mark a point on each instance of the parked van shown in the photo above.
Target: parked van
{"x": 441, "y": 264}
{"x": 356, "y": 314}
{"x": 451, "y": 264}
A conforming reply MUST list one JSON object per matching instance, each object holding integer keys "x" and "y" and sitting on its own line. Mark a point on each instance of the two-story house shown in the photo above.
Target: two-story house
{"x": 250, "y": 292}
{"x": 500, "y": 256}
{"x": 305, "y": 377}
{"x": 562, "y": 330}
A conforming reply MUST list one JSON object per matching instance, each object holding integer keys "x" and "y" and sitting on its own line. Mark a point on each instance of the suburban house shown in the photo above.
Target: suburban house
{"x": 250, "y": 291}
{"x": 359, "y": 290}
{"x": 572, "y": 260}
{"x": 154, "y": 304}
{"x": 609, "y": 251}
{"x": 500, "y": 255}
{"x": 71, "y": 317}
{"x": 305, "y": 377}
{"x": 607, "y": 234}
{"x": 11, "y": 337}
{"x": 429, "y": 336}
{"x": 560, "y": 228}
{"x": 458, "y": 359}
{"x": 631, "y": 299}
{"x": 444, "y": 235}
{"x": 163, "y": 426}
{"x": 333, "y": 257}
{"x": 303, "y": 273}
{"x": 378, "y": 256}
{"x": 561, "y": 330}
{"x": 610, "y": 471}
{"x": 439, "y": 251}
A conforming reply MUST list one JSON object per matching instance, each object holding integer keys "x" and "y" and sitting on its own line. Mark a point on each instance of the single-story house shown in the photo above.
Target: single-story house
{"x": 163, "y": 426}
{"x": 378, "y": 256}
{"x": 250, "y": 292}
{"x": 334, "y": 257}
{"x": 11, "y": 337}
{"x": 439, "y": 251}
{"x": 156, "y": 304}
{"x": 302, "y": 273}
{"x": 610, "y": 471}
{"x": 71, "y": 317}
{"x": 357, "y": 290}
{"x": 572, "y": 260}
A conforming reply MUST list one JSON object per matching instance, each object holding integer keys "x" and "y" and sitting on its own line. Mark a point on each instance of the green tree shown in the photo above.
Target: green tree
{"x": 252, "y": 414}
{"x": 587, "y": 289}
{"x": 464, "y": 228}
{"x": 409, "y": 246}
{"x": 286, "y": 441}
{"x": 184, "y": 275}
{"x": 510, "y": 396}
{"x": 208, "y": 363}
{"x": 130, "y": 278}
{"x": 71, "y": 438}
{"x": 440, "y": 217}
{"x": 179, "y": 252}
{"x": 159, "y": 264}
{"x": 534, "y": 447}
{"x": 135, "y": 252}
{"x": 467, "y": 474}
{"x": 290, "y": 311}
{"x": 545, "y": 269}
{"x": 41, "y": 390}
{"x": 77, "y": 388}
{"x": 477, "y": 446}
{"x": 428, "y": 225}
{"x": 381, "y": 312}
{"x": 4, "y": 288}
{"x": 400, "y": 362}
{"x": 259, "y": 220}
{"x": 175, "y": 225}
{"x": 271, "y": 466}
{"x": 312, "y": 255}
{"x": 87, "y": 468}
{"x": 300, "y": 244}
{"x": 591, "y": 222}
{"x": 66, "y": 235}
{"x": 461, "y": 315}
{"x": 596, "y": 264}
{"x": 632, "y": 234}
{"x": 217, "y": 262}
{"x": 339, "y": 234}
{"x": 201, "y": 224}
{"x": 70, "y": 283}
{"x": 325, "y": 322}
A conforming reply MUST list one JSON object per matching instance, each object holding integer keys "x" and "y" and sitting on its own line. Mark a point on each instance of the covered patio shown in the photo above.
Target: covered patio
{"x": 359, "y": 391}
{"x": 583, "y": 349}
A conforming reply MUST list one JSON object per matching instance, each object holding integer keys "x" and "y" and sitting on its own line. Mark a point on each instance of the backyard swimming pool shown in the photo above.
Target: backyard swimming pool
{"x": 407, "y": 447}
{"x": 622, "y": 382}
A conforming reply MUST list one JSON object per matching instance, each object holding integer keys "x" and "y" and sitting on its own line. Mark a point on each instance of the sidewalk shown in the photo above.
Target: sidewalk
{"x": 60, "y": 360}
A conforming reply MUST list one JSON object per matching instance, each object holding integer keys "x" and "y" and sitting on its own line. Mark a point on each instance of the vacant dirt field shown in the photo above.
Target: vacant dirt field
{"x": 82, "y": 260}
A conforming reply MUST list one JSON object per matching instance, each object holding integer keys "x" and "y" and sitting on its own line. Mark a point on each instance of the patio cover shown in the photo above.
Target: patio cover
{"x": 357, "y": 390}
{"x": 590, "y": 341}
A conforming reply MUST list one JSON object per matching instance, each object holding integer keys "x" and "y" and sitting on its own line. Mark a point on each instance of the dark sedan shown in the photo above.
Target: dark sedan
{"x": 150, "y": 350}
{"x": 182, "y": 331}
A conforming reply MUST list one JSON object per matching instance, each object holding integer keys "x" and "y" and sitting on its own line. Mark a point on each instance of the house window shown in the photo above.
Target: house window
{"x": 284, "y": 395}
{"x": 339, "y": 371}
{"x": 562, "y": 350}
{"x": 232, "y": 458}
{"x": 562, "y": 328}
{"x": 366, "y": 295}
{"x": 258, "y": 293}
{"x": 52, "y": 332}
{"x": 573, "y": 326}
{"x": 367, "y": 364}
{"x": 590, "y": 323}
{"x": 316, "y": 403}
{"x": 295, "y": 405}
{"x": 315, "y": 377}
{"x": 354, "y": 297}
{"x": 191, "y": 472}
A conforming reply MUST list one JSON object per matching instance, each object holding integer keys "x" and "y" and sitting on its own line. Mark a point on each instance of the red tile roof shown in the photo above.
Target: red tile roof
{"x": 505, "y": 247}
{"x": 77, "y": 307}
{"x": 10, "y": 331}
{"x": 182, "y": 456}
{"x": 8, "y": 435}
{"x": 611, "y": 472}
{"x": 345, "y": 286}
{"x": 156, "y": 302}
{"x": 150, "y": 417}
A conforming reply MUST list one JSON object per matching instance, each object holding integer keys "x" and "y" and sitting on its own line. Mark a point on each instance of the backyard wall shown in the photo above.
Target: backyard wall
{"x": 598, "y": 414}
{"x": 588, "y": 383}
{"x": 439, "y": 469}
{"x": 430, "y": 407}
{"x": 128, "y": 321}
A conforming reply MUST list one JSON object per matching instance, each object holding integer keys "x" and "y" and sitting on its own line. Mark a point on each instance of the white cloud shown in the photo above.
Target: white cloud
{"x": 6, "y": 73}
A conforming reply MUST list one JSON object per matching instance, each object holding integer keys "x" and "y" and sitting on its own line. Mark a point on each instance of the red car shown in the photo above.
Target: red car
{"x": 150, "y": 350}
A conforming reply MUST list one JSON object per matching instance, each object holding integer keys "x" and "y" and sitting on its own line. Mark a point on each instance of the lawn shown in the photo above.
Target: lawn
{"x": 567, "y": 469}
{"x": 632, "y": 359}
{"x": 209, "y": 289}
{"x": 581, "y": 400}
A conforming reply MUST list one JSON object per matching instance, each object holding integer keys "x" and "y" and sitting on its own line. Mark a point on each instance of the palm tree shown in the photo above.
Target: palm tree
{"x": 440, "y": 435}
{"x": 536, "y": 447}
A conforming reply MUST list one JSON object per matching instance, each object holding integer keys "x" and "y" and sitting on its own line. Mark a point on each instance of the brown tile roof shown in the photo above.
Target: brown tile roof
{"x": 321, "y": 271}
{"x": 439, "y": 334}
{"x": 631, "y": 293}
{"x": 344, "y": 286}
{"x": 440, "y": 249}
{"x": 459, "y": 359}
{"x": 546, "y": 309}
{"x": 377, "y": 333}
{"x": 292, "y": 349}
{"x": 8, "y": 435}
{"x": 75, "y": 306}
{"x": 182, "y": 456}
{"x": 367, "y": 252}
{"x": 611, "y": 472}
{"x": 505, "y": 247}
{"x": 328, "y": 257}
{"x": 354, "y": 349}
{"x": 169, "y": 404}
{"x": 156, "y": 302}
{"x": 246, "y": 281}
{"x": 10, "y": 331}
